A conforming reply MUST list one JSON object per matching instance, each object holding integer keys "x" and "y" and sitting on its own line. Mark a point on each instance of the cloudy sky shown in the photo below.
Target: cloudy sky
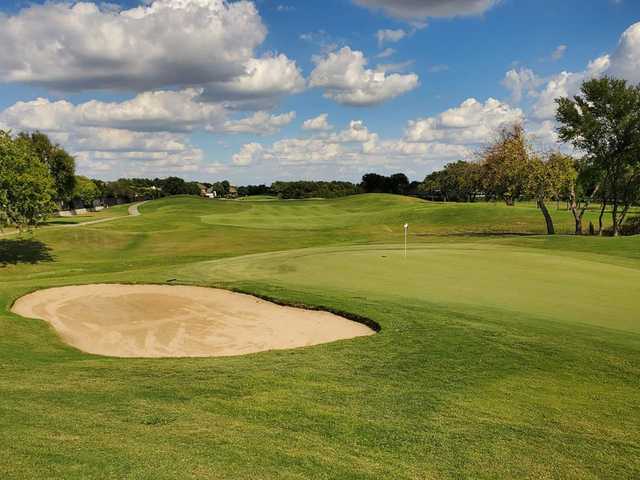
{"x": 291, "y": 89}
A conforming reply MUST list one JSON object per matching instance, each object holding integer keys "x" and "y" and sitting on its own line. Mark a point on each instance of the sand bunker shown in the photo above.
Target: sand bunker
{"x": 177, "y": 321}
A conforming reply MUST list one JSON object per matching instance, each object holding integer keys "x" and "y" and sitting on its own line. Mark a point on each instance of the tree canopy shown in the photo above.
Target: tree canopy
{"x": 60, "y": 164}
{"x": 27, "y": 189}
{"x": 86, "y": 191}
{"x": 505, "y": 163}
{"x": 603, "y": 121}
{"x": 459, "y": 182}
{"x": 398, "y": 183}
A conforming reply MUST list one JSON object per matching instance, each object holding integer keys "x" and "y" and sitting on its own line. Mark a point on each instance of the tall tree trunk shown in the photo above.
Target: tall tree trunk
{"x": 578, "y": 226}
{"x": 574, "y": 209}
{"x": 623, "y": 215}
{"x": 616, "y": 200}
{"x": 604, "y": 206}
{"x": 578, "y": 212}
{"x": 547, "y": 217}
{"x": 614, "y": 218}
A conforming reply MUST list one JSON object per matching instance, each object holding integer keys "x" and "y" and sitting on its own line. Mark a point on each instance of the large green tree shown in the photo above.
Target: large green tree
{"x": 86, "y": 191}
{"x": 61, "y": 164}
{"x": 26, "y": 187}
{"x": 546, "y": 178}
{"x": 460, "y": 181}
{"x": 603, "y": 121}
{"x": 505, "y": 165}
{"x": 513, "y": 169}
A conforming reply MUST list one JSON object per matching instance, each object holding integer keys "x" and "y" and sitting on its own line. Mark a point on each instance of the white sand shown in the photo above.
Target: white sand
{"x": 178, "y": 321}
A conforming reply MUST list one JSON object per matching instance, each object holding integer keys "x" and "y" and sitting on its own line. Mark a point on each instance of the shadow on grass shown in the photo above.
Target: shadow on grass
{"x": 59, "y": 222}
{"x": 23, "y": 250}
{"x": 479, "y": 234}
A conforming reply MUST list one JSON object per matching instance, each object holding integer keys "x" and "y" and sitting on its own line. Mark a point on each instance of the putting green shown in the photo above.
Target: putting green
{"x": 530, "y": 281}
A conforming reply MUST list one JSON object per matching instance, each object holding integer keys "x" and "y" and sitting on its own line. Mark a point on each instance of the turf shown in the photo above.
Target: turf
{"x": 500, "y": 356}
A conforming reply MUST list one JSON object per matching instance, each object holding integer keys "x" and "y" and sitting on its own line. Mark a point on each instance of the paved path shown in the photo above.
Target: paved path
{"x": 133, "y": 212}
{"x": 133, "y": 209}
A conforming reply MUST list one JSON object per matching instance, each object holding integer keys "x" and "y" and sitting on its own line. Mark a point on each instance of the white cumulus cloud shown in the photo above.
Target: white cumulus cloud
{"x": 173, "y": 111}
{"x": 355, "y": 150}
{"x": 261, "y": 123}
{"x": 473, "y": 122}
{"x": 390, "y": 36}
{"x": 625, "y": 61}
{"x": 248, "y": 154}
{"x": 567, "y": 84}
{"x": 345, "y": 79}
{"x": 74, "y": 46}
{"x": 262, "y": 83}
{"x": 319, "y": 123}
{"x": 520, "y": 82}
{"x": 148, "y": 133}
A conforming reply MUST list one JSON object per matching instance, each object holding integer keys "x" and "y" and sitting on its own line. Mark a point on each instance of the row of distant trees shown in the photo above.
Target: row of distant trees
{"x": 397, "y": 183}
{"x": 126, "y": 190}
{"x": 602, "y": 122}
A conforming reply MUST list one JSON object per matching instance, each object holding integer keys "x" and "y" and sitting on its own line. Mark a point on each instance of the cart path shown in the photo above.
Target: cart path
{"x": 133, "y": 212}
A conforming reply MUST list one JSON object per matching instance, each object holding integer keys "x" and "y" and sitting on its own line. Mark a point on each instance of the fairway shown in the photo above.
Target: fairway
{"x": 501, "y": 353}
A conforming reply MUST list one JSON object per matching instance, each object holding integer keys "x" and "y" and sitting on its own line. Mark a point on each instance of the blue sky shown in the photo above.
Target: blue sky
{"x": 208, "y": 90}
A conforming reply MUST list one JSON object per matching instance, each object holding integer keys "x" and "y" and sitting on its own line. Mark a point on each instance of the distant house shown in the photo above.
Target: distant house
{"x": 207, "y": 192}
{"x": 233, "y": 192}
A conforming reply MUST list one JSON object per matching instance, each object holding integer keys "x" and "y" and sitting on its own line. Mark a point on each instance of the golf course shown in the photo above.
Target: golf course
{"x": 498, "y": 351}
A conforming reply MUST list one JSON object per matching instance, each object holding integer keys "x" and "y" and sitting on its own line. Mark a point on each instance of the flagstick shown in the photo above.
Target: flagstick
{"x": 406, "y": 228}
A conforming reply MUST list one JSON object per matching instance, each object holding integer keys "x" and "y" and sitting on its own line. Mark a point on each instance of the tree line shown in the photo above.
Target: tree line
{"x": 397, "y": 183}
{"x": 125, "y": 190}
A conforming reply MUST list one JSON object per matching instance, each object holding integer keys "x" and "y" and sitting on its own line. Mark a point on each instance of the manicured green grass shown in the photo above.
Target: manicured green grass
{"x": 56, "y": 222}
{"x": 499, "y": 356}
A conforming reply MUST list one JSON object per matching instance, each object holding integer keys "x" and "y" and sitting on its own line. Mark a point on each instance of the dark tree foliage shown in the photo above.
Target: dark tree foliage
{"x": 310, "y": 189}
{"x": 173, "y": 186}
{"x": 398, "y": 183}
{"x": 373, "y": 183}
{"x": 251, "y": 190}
{"x": 457, "y": 182}
{"x": 134, "y": 189}
{"x": 221, "y": 188}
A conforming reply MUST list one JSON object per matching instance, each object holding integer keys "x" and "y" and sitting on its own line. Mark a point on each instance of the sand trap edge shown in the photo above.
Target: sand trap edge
{"x": 372, "y": 324}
